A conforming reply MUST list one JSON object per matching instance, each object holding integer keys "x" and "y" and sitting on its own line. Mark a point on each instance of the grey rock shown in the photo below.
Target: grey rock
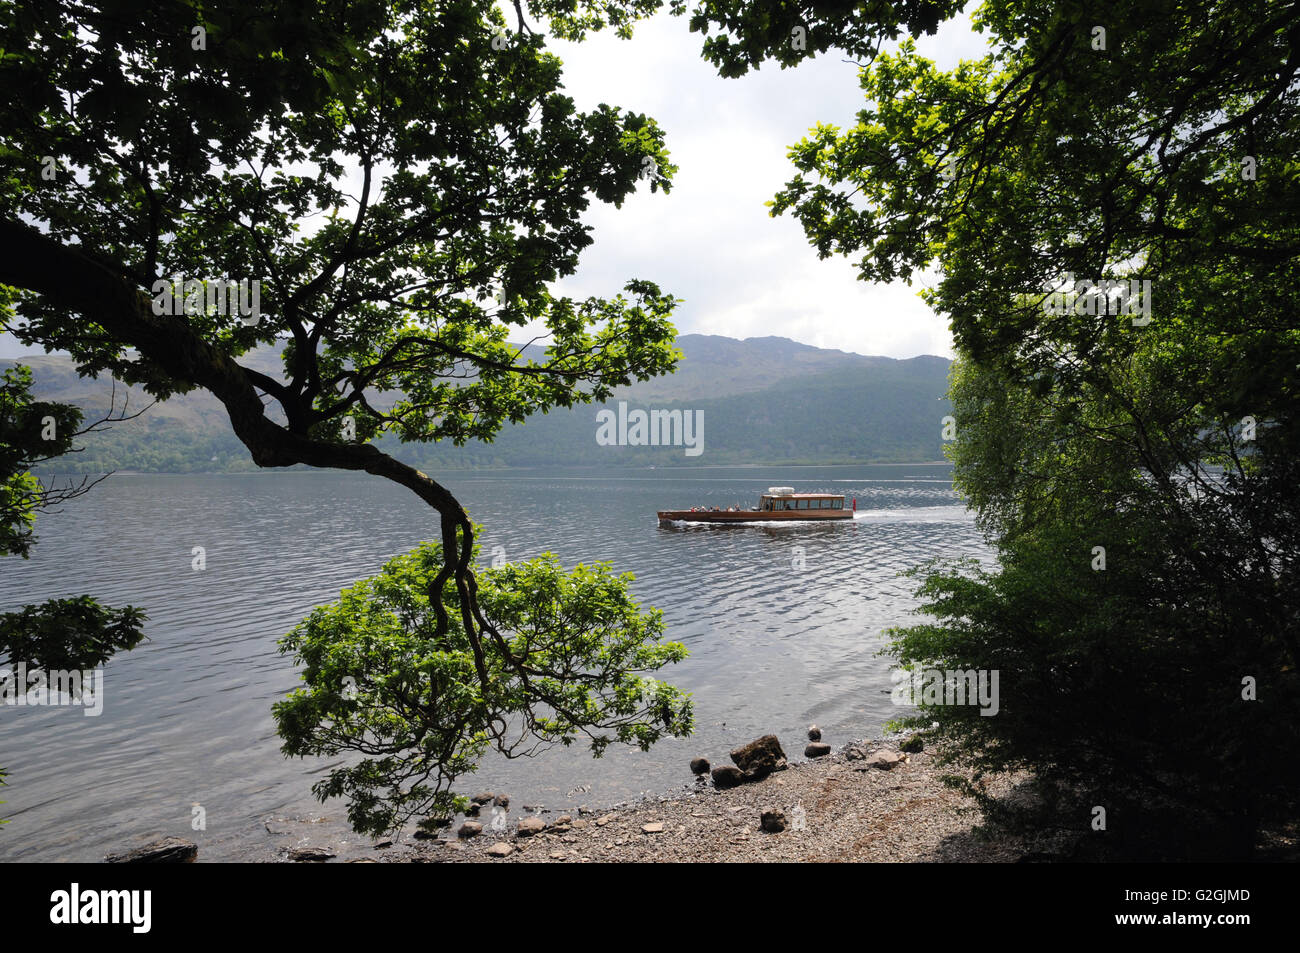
{"x": 482, "y": 797}
{"x": 502, "y": 800}
{"x": 169, "y": 850}
{"x": 500, "y": 850}
{"x": 469, "y": 829}
{"x": 700, "y": 766}
{"x": 773, "y": 821}
{"x": 885, "y": 760}
{"x": 814, "y": 733}
{"x": 817, "y": 749}
{"x": 310, "y": 855}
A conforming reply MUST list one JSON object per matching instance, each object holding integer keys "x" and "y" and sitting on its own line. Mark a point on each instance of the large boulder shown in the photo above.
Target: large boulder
{"x": 700, "y": 766}
{"x": 773, "y": 821}
{"x": 760, "y": 757}
{"x": 169, "y": 850}
{"x": 817, "y": 749}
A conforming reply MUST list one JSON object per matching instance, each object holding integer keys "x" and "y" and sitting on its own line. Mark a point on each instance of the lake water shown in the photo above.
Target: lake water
{"x": 187, "y": 715}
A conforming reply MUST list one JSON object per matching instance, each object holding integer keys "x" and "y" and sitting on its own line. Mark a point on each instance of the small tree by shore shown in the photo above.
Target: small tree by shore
{"x": 569, "y": 657}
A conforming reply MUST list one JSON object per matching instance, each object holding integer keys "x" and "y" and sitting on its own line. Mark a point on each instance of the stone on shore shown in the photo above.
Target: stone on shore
{"x": 530, "y": 826}
{"x": 310, "y": 855}
{"x": 773, "y": 821}
{"x": 759, "y": 758}
{"x": 816, "y": 749}
{"x": 482, "y": 797}
{"x": 500, "y": 849}
{"x": 728, "y": 777}
{"x": 469, "y": 829}
{"x": 814, "y": 733}
{"x": 502, "y": 800}
{"x": 700, "y": 766}
{"x": 169, "y": 850}
{"x": 656, "y": 827}
{"x": 885, "y": 760}
{"x": 913, "y": 744}
{"x": 856, "y": 752}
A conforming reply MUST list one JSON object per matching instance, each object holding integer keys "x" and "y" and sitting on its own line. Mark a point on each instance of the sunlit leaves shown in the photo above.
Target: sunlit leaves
{"x": 572, "y": 662}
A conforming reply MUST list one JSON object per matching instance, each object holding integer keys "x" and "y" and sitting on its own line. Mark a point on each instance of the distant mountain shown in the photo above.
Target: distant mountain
{"x": 762, "y": 400}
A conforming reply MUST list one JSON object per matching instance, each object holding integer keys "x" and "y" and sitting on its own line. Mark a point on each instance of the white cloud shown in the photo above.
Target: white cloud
{"x": 711, "y": 241}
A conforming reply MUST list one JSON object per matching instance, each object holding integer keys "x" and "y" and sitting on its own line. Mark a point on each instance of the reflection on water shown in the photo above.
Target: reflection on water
{"x": 783, "y": 623}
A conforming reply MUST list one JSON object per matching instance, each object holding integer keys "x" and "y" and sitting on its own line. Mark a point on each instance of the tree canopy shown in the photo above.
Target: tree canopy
{"x": 405, "y": 182}
{"x": 570, "y": 657}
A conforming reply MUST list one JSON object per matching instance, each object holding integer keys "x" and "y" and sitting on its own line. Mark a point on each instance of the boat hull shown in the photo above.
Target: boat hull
{"x": 753, "y": 516}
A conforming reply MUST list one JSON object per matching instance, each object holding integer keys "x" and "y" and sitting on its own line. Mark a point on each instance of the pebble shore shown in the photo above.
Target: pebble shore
{"x": 834, "y": 808}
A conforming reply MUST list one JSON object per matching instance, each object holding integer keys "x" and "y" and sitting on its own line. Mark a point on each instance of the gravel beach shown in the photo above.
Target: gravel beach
{"x": 836, "y": 808}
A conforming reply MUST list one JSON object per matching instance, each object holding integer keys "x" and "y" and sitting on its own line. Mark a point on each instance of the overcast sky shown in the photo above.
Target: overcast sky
{"x": 711, "y": 242}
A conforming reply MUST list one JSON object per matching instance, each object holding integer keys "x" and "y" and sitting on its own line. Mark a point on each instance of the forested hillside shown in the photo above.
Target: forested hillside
{"x": 763, "y": 400}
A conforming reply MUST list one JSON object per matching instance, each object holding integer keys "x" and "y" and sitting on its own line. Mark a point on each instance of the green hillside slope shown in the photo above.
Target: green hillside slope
{"x": 763, "y": 400}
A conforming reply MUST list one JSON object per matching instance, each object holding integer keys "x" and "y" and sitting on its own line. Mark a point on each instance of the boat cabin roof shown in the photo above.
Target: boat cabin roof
{"x": 803, "y": 496}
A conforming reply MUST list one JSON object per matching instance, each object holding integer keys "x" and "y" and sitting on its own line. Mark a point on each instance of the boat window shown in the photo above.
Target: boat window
{"x": 837, "y": 504}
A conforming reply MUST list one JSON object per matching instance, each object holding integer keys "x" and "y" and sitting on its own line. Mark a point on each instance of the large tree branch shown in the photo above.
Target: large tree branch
{"x": 93, "y": 291}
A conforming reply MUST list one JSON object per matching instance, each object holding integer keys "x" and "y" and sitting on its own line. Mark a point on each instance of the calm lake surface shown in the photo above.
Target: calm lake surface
{"x": 187, "y": 715}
